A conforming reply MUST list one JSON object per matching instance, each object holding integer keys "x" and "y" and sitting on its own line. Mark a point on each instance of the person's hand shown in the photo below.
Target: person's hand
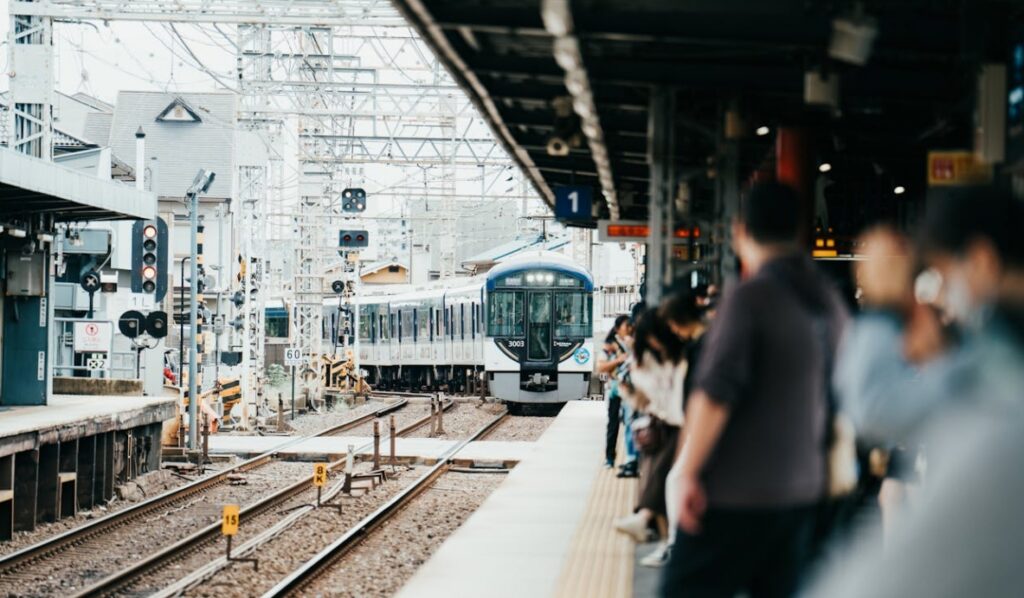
{"x": 923, "y": 339}
{"x": 694, "y": 503}
{"x": 885, "y": 276}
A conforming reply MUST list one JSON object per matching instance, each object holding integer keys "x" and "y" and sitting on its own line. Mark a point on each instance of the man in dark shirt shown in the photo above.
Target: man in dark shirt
{"x": 754, "y": 456}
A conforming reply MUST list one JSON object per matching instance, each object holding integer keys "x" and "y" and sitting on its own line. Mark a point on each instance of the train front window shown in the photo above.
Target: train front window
{"x": 505, "y": 314}
{"x": 538, "y": 339}
{"x": 572, "y": 315}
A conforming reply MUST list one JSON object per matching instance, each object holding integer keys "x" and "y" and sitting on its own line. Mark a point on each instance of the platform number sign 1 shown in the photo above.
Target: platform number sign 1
{"x": 573, "y": 203}
{"x": 320, "y": 475}
{"x": 229, "y": 523}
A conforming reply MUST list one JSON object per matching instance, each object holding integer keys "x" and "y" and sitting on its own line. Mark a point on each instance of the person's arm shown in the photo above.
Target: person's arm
{"x": 705, "y": 420}
{"x": 607, "y": 366}
{"x": 886, "y": 396}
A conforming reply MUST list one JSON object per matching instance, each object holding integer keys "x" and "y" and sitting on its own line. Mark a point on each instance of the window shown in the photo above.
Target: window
{"x": 406, "y": 331}
{"x": 276, "y": 322}
{"x": 364, "y": 326}
{"x": 505, "y": 316}
{"x": 462, "y": 320}
{"x": 423, "y": 323}
{"x": 572, "y": 315}
{"x": 538, "y": 341}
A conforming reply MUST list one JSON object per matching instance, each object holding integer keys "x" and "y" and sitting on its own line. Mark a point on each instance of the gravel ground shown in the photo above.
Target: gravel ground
{"x": 403, "y": 417}
{"x": 299, "y": 543}
{"x": 381, "y": 564}
{"x": 97, "y": 557}
{"x": 462, "y": 420}
{"x": 143, "y": 487}
{"x": 520, "y": 427}
{"x": 310, "y": 423}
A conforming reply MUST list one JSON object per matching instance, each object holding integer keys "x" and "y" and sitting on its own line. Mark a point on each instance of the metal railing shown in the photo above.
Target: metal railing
{"x": 118, "y": 365}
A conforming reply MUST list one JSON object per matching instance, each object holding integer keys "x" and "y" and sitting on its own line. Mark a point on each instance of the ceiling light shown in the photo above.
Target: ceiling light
{"x": 762, "y": 131}
{"x": 899, "y": 190}
{"x": 824, "y": 167}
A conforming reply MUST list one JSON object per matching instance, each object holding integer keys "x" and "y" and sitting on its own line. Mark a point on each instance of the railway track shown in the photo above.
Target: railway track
{"x": 321, "y": 563}
{"x": 105, "y": 531}
{"x": 117, "y": 582}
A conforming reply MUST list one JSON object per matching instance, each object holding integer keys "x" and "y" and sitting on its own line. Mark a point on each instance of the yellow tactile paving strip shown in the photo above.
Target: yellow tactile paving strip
{"x": 600, "y": 559}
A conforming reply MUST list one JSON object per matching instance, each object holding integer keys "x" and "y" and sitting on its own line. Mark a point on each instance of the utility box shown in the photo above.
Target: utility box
{"x": 26, "y": 275}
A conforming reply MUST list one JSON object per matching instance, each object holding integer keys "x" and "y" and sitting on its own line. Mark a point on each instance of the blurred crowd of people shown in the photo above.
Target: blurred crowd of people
{"x": 790, "y": 440}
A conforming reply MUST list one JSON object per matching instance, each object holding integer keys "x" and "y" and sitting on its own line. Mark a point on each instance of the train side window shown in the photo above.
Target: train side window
{"x": 423, "y": 323}
{"x": 505, "y": 314}
{"x": 462, "y": 321}
{"x": 430, "y": 324}
{"x": 572, "y": 314}
{"x": 472, "y": 320}
{"x": 415, "y": 325}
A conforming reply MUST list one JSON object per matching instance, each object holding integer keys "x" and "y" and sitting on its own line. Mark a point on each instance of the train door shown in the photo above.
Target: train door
{"x": 538, "y": 329}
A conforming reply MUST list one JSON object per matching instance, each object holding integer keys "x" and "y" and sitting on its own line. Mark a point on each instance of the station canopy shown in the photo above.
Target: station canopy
{"x": 524, "y": 61}
{"x": 30, "y": 186}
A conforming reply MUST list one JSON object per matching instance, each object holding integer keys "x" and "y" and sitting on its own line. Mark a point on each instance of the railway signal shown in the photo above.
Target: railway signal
{"x": 149, "y": 258}
{"x": 353, "y": 200}
{"x": 353, "y": 239}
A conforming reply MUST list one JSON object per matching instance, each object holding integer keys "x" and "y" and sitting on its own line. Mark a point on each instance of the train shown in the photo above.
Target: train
{"x": 526, "y": 327}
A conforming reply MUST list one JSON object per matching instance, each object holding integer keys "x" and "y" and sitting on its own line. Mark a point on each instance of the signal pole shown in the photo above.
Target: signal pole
{"x": 201, "y": 184}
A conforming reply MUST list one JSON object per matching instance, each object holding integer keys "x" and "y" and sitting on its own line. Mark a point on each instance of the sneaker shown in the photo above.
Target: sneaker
{"x": 634, "y": 525}
{"x": 609, "y": 464}
{"x": 658, "y": 558}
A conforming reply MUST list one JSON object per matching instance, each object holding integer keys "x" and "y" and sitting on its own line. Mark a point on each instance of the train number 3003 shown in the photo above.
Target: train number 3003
{"x": 519, "y": 344}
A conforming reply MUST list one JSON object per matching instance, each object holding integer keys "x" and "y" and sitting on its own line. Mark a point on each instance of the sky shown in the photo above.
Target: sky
{"x": 103, "y": 58}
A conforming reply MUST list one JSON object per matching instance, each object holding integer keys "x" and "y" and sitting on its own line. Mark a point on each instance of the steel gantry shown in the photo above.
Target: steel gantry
{"x": 338, "y": 83}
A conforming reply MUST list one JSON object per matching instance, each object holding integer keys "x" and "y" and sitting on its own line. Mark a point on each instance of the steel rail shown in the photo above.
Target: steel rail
{"x": 320, "y": 563}
{"x": 78, "y": 535}
{"x": 118, "y": 581}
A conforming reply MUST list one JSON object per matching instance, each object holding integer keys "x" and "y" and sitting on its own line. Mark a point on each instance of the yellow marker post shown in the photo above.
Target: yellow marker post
{"x": 229, "y": 522}
{"x": 319, "y": 475}
{"x": 229, "y": 527}
{"x": 319, "y": 479}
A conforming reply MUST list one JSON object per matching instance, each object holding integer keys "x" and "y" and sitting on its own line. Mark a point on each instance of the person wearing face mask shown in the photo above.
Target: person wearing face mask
{"x": 964, "y": 532}
{"x": 895, "y": 373}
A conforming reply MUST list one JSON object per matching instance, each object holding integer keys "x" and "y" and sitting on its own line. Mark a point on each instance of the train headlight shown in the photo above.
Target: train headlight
{"x": 550, "y": 279}
{"x": 530, "y": 278}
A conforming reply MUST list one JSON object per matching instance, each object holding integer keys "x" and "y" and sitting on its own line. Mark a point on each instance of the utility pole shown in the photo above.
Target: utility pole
{"x": 201, "y": 184}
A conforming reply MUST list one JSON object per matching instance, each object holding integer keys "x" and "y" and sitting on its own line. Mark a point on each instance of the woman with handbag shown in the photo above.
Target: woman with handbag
{"x": 656, "y": 381}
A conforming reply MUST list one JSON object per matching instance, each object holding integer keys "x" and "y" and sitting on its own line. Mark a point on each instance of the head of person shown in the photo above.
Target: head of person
{"x": 972, "y": 239}
{"x": 683, "y": 313}
{"x": 768, "y": 224}
{"x": 620, "y": 328}
{"x": 653, "y": 341}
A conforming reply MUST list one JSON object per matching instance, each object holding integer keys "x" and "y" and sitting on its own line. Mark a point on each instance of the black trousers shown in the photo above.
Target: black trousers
{"x": 611, "y": 434}
{"x": 760, "y": 551}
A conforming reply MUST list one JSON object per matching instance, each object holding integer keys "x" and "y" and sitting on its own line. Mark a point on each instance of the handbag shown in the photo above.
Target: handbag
{"x": 648, "y": 435}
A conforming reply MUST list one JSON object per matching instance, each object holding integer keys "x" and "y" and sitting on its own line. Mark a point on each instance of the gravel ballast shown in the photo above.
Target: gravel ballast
{"x": 526, "y": 428}
{"x": 380, "y": 565}
{"x": 462, "y": 420}
{"x": 99, "y": 556}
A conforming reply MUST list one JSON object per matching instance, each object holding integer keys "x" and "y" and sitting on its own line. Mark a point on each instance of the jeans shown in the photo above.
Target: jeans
{"x": 628, "y": 415}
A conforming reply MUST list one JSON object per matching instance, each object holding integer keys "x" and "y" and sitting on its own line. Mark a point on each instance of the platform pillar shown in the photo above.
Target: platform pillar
{"x": 86, "y": 472}
{"x": 793, "y": 166}
{"x": 26, "y": 477}
{"x": 661, "y": 131}
{"x": 47, "y": 488}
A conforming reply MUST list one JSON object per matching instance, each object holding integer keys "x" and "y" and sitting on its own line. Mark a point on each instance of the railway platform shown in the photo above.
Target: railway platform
{"x": 73, "y": 447}
{"x": 547, "y": 530}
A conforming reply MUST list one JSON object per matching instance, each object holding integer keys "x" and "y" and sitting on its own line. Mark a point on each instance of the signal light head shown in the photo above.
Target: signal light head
{"x": 149, "y": 286}
{"x": 149, "y": 231}
{"x": 149, "y": 273}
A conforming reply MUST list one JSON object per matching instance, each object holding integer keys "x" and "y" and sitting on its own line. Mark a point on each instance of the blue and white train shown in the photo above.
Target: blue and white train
{"x": 527, "y": 325}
